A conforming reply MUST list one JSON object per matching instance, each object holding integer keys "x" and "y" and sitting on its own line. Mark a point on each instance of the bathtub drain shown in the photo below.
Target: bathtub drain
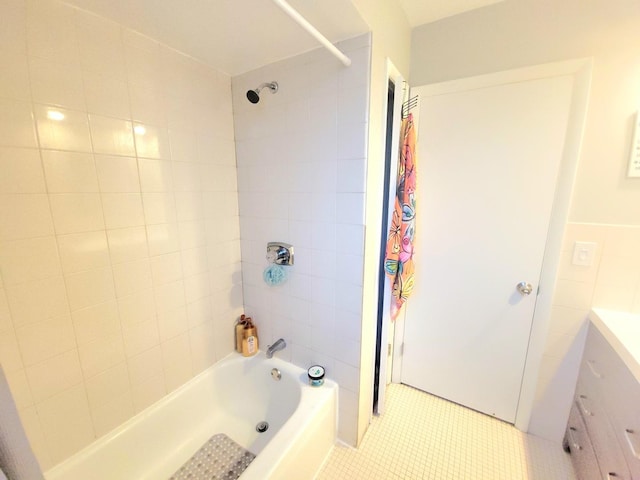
{"x": 262, "y": 427}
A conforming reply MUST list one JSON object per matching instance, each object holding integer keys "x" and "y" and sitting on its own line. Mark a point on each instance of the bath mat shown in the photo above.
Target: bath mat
{"x": 220, "y": 458}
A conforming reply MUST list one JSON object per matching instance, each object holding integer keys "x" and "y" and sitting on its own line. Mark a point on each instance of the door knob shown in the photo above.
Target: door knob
{"x": 524, "y": 288}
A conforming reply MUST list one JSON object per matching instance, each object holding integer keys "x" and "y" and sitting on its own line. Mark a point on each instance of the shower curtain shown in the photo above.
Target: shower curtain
{"x": 398, "y": 263}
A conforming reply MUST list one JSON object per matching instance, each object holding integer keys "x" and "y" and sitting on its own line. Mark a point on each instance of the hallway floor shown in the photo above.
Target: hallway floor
{"x": 424, "y": 437}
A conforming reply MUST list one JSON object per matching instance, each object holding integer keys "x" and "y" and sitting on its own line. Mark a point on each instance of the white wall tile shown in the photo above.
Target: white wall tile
{"x": 151, "y": 141}
{"x": 90, "y": 288}
{"x": 54, "y": 375}
{"x": 100, "y": 44}
{"x": 76, "y": 212}
{"x": 136, "y": 308}
{"x": 127, "y": 244}
{"x": 21, "y": 171}
{"x": 5, "y": 315}
{"x": 200, "y": 311}
{"x": 14, "y": 76}
{"x": 201, "y": 340}
{"x": 162, "y": 238}
{"x": 155, "y": 175}
{"x": 108, "y": 385}
{"x": 176, "y": 361}
{"x": 55, "y": 83}
{"x": 37, "y": 300}
{"x": 29, "y": 259}
{"x": 122, "y": 210}
{"x": 62, "y": 129}
{"x": 159, "y": 208}
{"x": 172, "y": 323}
{"x": 66, "y": 423}
{"x": 147, "y": 105}
{"x": 68, "y": 172}
{"x": 140, "y": 337}
{"x": 75, "y": 208}
{"x": 111, "y": 136}
{"x": 48, "y": 338}
{"x": 132, "y": 277}
{"x": 24, "y": 216}
{"x": 145, "y": 365}
{"x": 117, "y": 174}
{"x": 111, "y": 414}
{"x": 166, "y": 268}
{"x": 10, "y": 351}
{"x": 101, "y": 354}
{"x": 106, "y": 95}
{"x": 16, "y": 124}
{"x": 83, "y": 251}
{"x": 20, "y": 390}
{"x": 96, "y": 322}
{"x": 149, "y": 392}
{"x": 51, "y": 32}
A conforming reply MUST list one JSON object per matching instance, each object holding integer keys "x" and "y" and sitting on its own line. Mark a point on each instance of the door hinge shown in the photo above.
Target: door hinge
{"x": 402, "y": 348}
{"x": 389, "y": 350}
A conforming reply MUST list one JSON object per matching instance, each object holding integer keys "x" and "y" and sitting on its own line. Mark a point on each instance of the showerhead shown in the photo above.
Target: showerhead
{"x": 254, "y": 95}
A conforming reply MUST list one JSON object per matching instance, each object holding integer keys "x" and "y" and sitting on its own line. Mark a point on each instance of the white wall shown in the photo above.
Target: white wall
{"x": 391, "y": 43}
{"x": 119, "y": 251}
{"x": 301, "y": 157}
{"x": 519, "y": 33}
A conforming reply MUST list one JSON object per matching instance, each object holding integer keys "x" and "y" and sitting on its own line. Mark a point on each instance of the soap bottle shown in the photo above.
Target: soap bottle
{"x": 249, "y": 339}
{"x": 240, "y": 332}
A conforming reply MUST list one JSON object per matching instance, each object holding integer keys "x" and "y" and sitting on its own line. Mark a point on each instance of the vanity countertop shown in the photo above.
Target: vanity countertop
{"x": 622, "y": 331}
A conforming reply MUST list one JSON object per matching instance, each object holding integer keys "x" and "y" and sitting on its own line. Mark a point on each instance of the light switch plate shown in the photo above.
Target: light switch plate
{"x": 584, "y": 253}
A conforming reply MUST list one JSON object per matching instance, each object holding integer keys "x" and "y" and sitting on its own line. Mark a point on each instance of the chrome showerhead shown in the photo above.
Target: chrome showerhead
{"x": 254, "y": 95}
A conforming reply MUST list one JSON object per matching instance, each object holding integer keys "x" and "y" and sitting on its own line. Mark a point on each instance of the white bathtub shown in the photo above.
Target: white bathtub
{"x": 231, "y": 397}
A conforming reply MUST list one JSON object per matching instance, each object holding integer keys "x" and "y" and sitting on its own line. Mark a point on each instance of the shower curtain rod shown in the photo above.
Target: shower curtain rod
{"x": 293, "y": 13}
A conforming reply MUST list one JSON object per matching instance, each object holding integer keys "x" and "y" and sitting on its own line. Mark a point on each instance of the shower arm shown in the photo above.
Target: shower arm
{"x": 293, "y": 13}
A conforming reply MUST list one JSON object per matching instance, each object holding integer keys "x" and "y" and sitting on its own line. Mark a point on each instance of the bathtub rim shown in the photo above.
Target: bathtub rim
{"x": 58, "y": 471}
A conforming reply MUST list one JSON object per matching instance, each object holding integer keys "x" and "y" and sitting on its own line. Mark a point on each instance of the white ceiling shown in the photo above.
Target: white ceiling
{"x": 236, "y": 36}
{"x": 420, "y": 12}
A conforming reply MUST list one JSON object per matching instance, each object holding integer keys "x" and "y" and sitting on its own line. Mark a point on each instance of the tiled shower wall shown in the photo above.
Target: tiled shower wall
{"x": 611, "y": 282}
{"x": 119, "y": 233}
{"x": 301, "y": 179}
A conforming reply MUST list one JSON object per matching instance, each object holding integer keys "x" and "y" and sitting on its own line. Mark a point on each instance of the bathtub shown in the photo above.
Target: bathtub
{"x": 230, "y": 397}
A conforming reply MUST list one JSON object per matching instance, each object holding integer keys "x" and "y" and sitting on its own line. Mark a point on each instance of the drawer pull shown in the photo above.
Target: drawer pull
{"x": 633, "y": 441}
{"x": 572, "y": 442}
{"x": 595, "y": 372}
{"x": 612, "y": 476}
{"x": 581, "y": 403}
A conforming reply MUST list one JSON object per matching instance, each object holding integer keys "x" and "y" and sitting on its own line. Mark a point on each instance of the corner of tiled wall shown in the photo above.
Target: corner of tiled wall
{"x": 301, "y": 180}
{"x": 119, "y": 232}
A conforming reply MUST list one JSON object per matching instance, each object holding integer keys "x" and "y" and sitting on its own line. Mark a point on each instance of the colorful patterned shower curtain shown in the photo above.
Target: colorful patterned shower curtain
{"x": 398, "y": 263}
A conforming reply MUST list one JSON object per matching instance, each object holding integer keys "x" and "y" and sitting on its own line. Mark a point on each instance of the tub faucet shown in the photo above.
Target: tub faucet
{"x": 279, "y": 345}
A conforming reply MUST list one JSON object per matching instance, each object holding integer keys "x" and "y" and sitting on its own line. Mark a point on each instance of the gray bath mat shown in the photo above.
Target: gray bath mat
{"x": 219, "y": 459}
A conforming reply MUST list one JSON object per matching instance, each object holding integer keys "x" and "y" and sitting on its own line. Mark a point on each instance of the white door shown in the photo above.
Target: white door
{"x": 488, "y": 160}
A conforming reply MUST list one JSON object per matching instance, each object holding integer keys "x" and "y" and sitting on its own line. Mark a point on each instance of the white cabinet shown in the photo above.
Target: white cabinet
{"x": 603, "y": 432}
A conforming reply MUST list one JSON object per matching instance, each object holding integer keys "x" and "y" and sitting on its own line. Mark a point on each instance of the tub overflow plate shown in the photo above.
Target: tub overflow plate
{"x": 262, "y": 427}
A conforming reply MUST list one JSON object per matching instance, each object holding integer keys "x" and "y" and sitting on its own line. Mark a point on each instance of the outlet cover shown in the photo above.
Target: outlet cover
{"x": 584, "y": 253}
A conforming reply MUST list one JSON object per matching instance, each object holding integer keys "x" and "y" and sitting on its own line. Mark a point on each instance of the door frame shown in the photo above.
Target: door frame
{"x": 388, "y": 328}
{"x": 581, "y": 70}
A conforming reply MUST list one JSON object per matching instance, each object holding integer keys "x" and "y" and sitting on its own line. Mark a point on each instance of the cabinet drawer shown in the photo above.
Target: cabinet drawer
{"x": 612, "y": 403}
{"x": 605, "y": 443}
{"x": 583, "y": 456}
{"x": 622, "y": 400}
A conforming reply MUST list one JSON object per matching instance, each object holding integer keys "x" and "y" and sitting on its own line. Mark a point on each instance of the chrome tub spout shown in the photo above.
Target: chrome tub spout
{"x": 279, "y": 345}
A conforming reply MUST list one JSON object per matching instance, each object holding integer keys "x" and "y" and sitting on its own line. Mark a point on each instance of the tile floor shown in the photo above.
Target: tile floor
{"x": 424, "y": 437}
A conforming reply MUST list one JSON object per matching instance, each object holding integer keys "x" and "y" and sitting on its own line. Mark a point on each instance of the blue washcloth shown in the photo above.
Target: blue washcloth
{"x": 274, "y": 275}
